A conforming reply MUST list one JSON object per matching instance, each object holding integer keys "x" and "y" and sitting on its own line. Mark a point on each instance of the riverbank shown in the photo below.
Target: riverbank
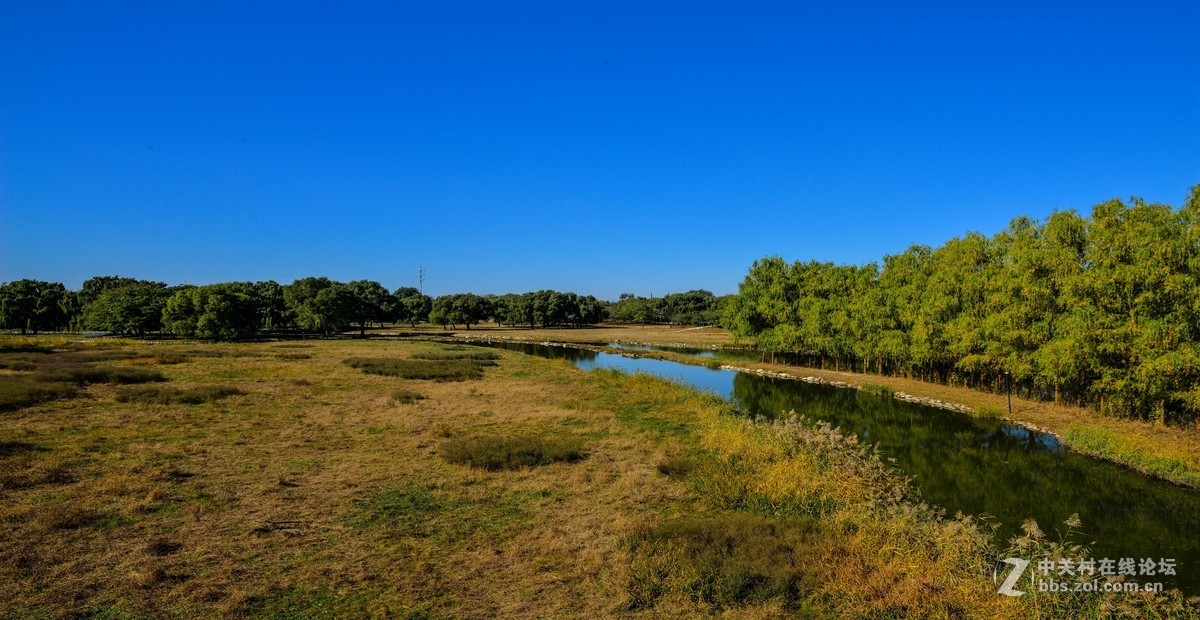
{"x": 1163, "y": 452}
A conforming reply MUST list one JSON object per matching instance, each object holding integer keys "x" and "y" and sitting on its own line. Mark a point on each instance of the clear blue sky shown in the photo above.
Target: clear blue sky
{"x": 599, "y": 147}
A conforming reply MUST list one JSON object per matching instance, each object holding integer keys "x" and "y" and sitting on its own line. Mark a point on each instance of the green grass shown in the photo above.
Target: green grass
{"x": 1115, "y": 446}
{"x": 408, "y": 510}
{"x": 420, "y": 512}
{"x": 166, "y": 395}
{"x": 495, "y": 453}
{"x": 986, "y": 411}
{"x": 877, "y": 390}
{"x": 430, "y": 370}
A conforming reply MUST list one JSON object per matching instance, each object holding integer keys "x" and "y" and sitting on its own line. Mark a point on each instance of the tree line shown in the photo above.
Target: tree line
{"x": 233, "y": 310}
{"x": 697, "y": 307}
{"x": 1102, "y": 310}
{"x": 223, "y": 311}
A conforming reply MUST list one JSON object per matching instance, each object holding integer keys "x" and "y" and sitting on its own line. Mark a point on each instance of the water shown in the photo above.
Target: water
{"x": 968, "y": 465}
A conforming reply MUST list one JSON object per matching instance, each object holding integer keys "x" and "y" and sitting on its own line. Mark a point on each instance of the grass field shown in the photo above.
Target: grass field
{"x": 278, "y": 480}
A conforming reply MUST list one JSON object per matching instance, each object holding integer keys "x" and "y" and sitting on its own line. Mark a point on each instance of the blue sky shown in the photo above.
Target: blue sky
{"x": 599, "y": 147}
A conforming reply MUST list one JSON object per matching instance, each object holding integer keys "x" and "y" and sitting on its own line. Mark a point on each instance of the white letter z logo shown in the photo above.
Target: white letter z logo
{"x": 1019, "y": 567}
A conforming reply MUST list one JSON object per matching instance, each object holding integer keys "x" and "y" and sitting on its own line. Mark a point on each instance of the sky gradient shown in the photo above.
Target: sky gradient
{"x": 598, "y": 147}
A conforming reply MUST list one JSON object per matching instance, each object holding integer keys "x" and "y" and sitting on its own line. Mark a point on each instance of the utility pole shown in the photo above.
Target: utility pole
{"x": 421, "y": 279}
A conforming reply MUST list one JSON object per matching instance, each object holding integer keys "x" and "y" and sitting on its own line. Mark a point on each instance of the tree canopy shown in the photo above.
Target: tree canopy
{"x": 1101, "y": 310}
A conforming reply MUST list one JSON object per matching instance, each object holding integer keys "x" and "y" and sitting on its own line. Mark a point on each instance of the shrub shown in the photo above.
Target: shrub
{"x": 494, "y": 453}
{"x": 165, "y": 395}
{"x": 435, "y": 370}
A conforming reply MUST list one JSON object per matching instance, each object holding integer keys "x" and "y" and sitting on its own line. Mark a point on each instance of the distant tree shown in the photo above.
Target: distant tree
{"x": 215, "y": 312}
{"x": 373, "y": 304}
{"x": 464, "y": 308}
{"x": 321, "y": 305}
{"x": 411, "y": 306}
{"x": 128, "y": 308}
{"x": 271, "y": 306}
{"x": 33, "y": 305}
{"x": 93, "y": 287}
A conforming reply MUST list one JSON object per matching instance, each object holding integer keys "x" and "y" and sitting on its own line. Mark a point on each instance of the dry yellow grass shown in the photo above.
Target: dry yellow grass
{"x": 254, "y": 497}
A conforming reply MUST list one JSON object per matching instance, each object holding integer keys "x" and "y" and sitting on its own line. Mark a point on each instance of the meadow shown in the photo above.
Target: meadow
{"x": 416, "y": 479}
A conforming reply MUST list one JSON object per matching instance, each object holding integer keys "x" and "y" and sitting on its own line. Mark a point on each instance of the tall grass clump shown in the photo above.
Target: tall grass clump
{"x": 166, "y": 395}
{"x": 84, "y": 375}
{"x": 432, "y": 370}
{"x": 495, "y": 453}
{"x": 405, "y": 397}
{"x": 18, "y": 392}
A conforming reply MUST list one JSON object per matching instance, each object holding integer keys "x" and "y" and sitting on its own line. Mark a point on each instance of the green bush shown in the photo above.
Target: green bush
{"x": 165, "y": 395}
{"x": 495, "y": 453}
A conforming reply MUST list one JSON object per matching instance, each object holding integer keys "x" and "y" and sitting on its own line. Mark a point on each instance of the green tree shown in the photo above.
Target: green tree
{"x": 128, "y": 308}
{"x": 215, "y": 312}
{"x": 34, "y": 305}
